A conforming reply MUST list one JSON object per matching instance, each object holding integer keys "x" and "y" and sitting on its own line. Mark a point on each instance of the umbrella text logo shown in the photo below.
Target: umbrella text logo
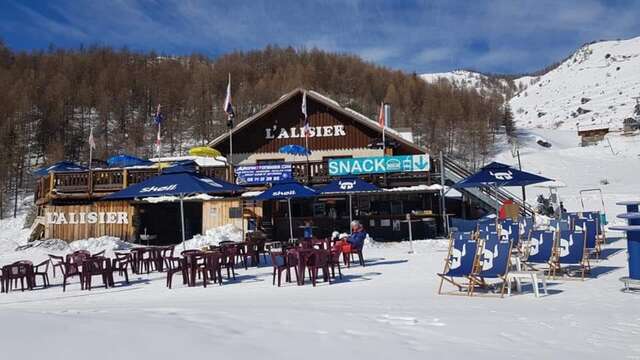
{"x": 502, "y": 175}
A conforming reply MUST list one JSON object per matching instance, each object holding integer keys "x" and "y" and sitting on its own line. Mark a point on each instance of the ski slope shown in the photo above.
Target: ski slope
{"x": 601, "y": 79}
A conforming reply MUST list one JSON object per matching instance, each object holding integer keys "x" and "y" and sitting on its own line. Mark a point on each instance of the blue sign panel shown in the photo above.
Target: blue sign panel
{"x": 379, "y": 164}
{"x": 262, "y": 174}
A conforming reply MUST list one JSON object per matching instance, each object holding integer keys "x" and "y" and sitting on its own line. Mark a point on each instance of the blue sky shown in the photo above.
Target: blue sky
{"x": 506, "y": 36}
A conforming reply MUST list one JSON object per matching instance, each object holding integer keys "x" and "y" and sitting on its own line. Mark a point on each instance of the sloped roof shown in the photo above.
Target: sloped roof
{"x": 360, "y": 118}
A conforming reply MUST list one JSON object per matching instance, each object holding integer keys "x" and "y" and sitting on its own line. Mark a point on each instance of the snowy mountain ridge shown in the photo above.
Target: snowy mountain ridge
{"x": 595, "y": 86}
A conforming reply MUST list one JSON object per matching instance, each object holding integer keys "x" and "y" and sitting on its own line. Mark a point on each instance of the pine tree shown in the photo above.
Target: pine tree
{"x": 507, "y": 119}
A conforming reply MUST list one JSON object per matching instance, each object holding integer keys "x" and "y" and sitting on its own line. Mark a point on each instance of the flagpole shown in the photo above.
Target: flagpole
{"x": 90, "y": 149}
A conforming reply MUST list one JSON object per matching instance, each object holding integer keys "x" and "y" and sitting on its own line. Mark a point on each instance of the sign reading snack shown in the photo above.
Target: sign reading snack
{"x": 60, "y": 218}
{"x": 298, "y": 132}
{"x": 379, "y": 165}
{"x": 263, "y": 173}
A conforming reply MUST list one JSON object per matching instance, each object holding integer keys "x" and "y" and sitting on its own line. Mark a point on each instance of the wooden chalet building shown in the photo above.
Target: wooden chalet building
{"x": 70, "y": 205}
{"x": 336, "y": 133}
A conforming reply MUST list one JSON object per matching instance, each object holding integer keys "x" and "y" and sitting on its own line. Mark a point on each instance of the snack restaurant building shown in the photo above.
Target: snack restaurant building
{"x": 343, "y": 143}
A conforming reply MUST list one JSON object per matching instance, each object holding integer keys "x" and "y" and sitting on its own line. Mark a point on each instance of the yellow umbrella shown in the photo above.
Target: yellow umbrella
{"x": 204, "y": 151}
{"x": 162, "y": 165}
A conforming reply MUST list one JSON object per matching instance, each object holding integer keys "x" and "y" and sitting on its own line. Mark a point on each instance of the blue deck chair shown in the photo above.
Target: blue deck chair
{"x": 526, "y": 225}
{"x": 495, "y": 262}
{"x": 467, "y": 235}
{"x": 511, "y": 230}
{"x": 460, "y": 262}
{"x": 589, "y": 227}
{"x": 540, "y": 247}
{"x": 463, "y": 225}
{"x": 571, "y": 250}
{"x": 488, "y": 236}
{"x": 487, "y": 225}
{"x": 601, "y": 221}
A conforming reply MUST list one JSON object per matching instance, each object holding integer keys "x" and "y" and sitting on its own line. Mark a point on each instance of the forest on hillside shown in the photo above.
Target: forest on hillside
{"x": 51, "y": 99}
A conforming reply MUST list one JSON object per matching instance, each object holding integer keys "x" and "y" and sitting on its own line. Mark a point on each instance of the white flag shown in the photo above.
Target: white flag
{"x": 92, "y": 142}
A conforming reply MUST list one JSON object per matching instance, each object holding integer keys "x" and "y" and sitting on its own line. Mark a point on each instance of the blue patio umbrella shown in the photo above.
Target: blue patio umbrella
{"x": 125, "y": 160}
{"x": 294, "y": 149}
{"x": 498, "y": 175}
{"x": 175, "y": 181}
{"x": 60, "y": 166}
{"x": 349, "y": 186}
{"x": 287, "y": 191}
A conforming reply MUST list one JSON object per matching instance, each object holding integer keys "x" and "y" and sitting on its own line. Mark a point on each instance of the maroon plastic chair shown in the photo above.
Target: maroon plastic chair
{"x": 120, "y": 264}
{"x": 334, "y": 260}
{"x": 42, "y": 270}
{"x": 319, "y": 261}
{"x": 57, "y": 262}
{"x": 283, "y": 262}
{"x": 212, "y": 267}
{"x": 175, "y": 265}
{"x": 164, "y": 253}
{"x": 95, "y": 266}
{"x": 229, "y": 254}
{"x": 143, "y": 260}
{"x": 73, "y": 267}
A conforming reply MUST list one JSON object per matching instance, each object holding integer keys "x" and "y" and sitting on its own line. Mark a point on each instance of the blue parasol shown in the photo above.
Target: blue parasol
{"x": 293, "y": 149}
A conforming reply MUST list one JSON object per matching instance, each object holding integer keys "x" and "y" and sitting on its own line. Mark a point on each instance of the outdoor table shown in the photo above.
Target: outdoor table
{"x": 633, "y": 237}
{"x": 303, "y": 256}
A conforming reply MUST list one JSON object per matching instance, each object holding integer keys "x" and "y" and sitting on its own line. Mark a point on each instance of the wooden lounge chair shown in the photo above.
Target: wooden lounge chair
{"x": 495, "y": 262}
{"x": 571, "y": 250}
{"x": 461, "y": 262}
{"x": 539, "y": 249}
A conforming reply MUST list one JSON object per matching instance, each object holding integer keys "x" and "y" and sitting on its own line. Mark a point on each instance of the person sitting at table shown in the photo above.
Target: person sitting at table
{"x": 356, "y": 239}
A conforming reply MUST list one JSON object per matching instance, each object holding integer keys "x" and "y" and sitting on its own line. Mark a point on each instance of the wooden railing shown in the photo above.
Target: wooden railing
{"x": 98, "y": 183}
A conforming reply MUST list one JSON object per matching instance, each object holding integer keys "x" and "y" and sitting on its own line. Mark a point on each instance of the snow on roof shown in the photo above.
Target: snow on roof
{"x": 251, "y": 193}
{"x": 162, "y": 199}
{"x": 200, "y": 160}
{"x": 423, "y": 187}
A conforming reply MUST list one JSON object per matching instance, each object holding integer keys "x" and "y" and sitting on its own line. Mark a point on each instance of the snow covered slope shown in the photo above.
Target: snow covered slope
{"x": 471, "y": 79}
{"x": 595, "y": 86}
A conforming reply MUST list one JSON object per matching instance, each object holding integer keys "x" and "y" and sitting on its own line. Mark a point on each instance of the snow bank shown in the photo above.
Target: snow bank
{"x": 214, "y": 236}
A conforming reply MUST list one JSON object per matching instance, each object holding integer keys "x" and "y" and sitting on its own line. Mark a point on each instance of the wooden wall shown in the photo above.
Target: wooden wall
{"x": 251, "y": 138}
{"x": 71, "y": 232}
{"x": 215, "y": 213}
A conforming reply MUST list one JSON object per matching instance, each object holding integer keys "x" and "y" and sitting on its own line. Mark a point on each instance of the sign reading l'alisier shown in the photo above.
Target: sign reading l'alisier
{"x": 379, "y": 165}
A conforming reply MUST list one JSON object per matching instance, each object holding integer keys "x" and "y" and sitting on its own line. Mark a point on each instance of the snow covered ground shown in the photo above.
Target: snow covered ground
{"x": 388, "y": 308}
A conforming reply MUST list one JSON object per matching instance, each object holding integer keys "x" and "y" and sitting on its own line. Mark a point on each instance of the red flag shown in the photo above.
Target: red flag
{"x": 381, "y": 121}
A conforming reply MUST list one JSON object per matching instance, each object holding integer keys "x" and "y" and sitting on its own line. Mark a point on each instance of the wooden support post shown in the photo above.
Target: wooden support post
{"x": 125, "y": 180}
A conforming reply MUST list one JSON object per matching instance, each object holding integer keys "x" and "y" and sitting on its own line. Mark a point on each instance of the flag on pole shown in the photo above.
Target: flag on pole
{"x": 228, "y": 106}
{"x": 158, "y": 117}
{"x": 306, "y": 128}
{"x": 92, "y": 141}
{"x": 381, "y": 120}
